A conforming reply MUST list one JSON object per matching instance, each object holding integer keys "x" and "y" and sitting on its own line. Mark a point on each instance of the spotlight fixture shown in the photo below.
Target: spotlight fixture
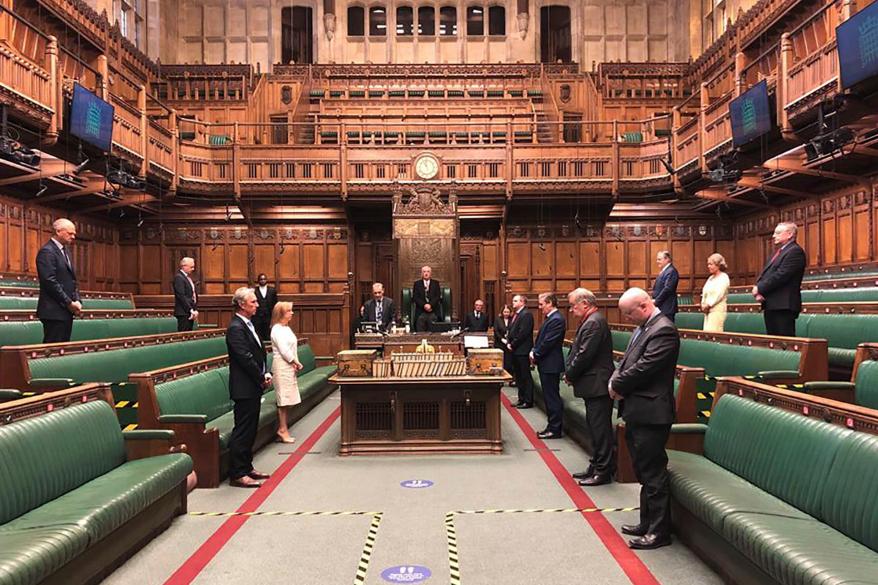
{"x": 722, "y": 174}
{"x": 124, "y": 179}
{"x": 139, "y": 219}
{"x": 828, "y": 143}
{"x": 80, "y": 167}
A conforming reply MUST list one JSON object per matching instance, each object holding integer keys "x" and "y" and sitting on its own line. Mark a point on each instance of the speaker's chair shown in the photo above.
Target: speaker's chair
{"x": 409, "y": 304}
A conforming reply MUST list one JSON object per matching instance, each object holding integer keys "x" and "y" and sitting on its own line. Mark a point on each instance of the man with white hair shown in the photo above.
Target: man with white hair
{"x": 59, "y": 290}
{"x": 644, "y": 386}
{"x": 248, "y": 378}
{"x": 185, "y": 298}
{"x": 779, "y": 286}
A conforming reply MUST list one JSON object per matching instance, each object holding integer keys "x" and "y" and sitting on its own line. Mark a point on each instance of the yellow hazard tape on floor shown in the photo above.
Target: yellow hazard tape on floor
{"x": 130, "y": 427}
{"x": 371, "y": 536}
{"x": 451, "y": 532}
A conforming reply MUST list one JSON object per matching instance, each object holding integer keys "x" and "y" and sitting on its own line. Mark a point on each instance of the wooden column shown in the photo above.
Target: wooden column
{"x": 55, "y": 101}
{"x": 144, "y": 130}
{"x": 103, "y": 88}
{"x": 702, "y": 132}
{"x": 783, "y": 80}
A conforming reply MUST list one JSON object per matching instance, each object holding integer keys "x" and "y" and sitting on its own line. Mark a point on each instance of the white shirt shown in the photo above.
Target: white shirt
{"x": 250, "y": 326}
{"x": 61, "y": 247}
{"x": 264, "y": 290}
{"x": 664, "y": 267}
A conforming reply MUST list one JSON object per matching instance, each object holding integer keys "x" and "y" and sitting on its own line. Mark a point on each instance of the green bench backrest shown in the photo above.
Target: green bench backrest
{"x": 620, "y": 339}
{"x": 689, "y": 320}
{"x": 19, "y": 283}
{"x": 720, "y": 359}
{"x": 824, "y": 470}
{"x": 782, "y": 452}
{"x": 839, "y": 275}
{"x": 832, "y": 295}
{"x": 204, "y": 393}
{"x": 845, "y": 331}
{"x": 30, "y": 303}
{"x": 115, "y": 365}
{"x": 49, "y": 455}
{"x": 307, "y": 359}
{"x": 866, "y": 393}
{"x": 28, "y": 332}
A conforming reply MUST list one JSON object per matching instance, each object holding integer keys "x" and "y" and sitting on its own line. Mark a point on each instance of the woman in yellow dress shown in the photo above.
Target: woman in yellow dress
{"x": 715, "y": 293}
{"x": 284, "y": 366}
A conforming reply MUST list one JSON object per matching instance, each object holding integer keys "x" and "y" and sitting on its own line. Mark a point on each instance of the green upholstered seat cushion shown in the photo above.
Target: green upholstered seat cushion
{"x": 689, "y": 320}
{"x": 841, "y": 358}
{"x": 712, "y": 493}
{"x": 44, "y": 457}
{"x": 866, "y": 393}
{"x": 107, "y": 304}
{"x": 735, "y": 360}
{"x": 781, "y": 452}
{"x": 18, "y": 303}
{"x": 800, "y": 551}
{"x": 107, "y": 502}
{"x": 29, "y": 556}
{"x": 115, "y": 365}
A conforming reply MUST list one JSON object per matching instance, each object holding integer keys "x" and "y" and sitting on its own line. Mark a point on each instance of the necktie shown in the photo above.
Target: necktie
{"x": 378, "y": 312}
{"x": 253, "y": 331}
{"x": 773, "y": 258}
{"x": 514, "y": 317}
{"x": 192, "y": 284}
{"x": 66, "y": 257}
{"x": 634, "y": 336}
{"x": 478, "y": 315}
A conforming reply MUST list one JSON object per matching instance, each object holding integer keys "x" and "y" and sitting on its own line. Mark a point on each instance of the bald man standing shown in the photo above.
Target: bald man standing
{"x": 59, "y": 290}
{"x": 185, "y": 298}
{"x": 644, "y": 385}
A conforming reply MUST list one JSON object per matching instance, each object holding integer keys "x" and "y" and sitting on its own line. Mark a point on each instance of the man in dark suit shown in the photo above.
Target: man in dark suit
{"x": 59, "y": 290}
{"x": 664, "y": 291}
{"x": 248, "y": 377}
{"x": 549, "y": 359}
{"x": 520, "y": 340}
{"x": 476, "y": 320}
{"x": 588, "y": 369}
{"x": 644, "y": 383}
{"x": 427, "y": 295}
{"x": 779, "y": 286}
{"x": 185, "y": 299}
{"x": 379, "y": 308}
{"x": 266, "y": 296}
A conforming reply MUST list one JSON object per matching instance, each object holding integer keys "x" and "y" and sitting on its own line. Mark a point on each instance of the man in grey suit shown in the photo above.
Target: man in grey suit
{"x": 588, "y": 369}
{"x": 644, "y": 384}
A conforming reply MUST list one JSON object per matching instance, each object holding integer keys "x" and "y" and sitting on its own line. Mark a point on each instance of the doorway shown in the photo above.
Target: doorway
{"x": 555, "y": 38}
{"x": 297, "y": 35}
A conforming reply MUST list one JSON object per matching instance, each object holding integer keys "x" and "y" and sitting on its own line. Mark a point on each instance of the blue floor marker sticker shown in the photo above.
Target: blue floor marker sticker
{"x": 406, "y": 574}
{"x": 416, "y": 483}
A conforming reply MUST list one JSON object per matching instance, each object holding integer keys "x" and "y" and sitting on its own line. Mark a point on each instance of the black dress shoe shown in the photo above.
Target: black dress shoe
{"x": 596, "y": 479}
{"x": 549, "y": 435}
{"x": 650, "y": 541}
{"x": 634, "y": 529}
{"x": 584, "y": 474}
{"x": 523, "y": 405}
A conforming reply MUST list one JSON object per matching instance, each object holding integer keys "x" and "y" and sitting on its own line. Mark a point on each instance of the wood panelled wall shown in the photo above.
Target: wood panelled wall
{"x": 610, "y": 258}
{"x": 300, "y": 259}
{"x": 839, "y": 228}
{"x": 24, "y": 228}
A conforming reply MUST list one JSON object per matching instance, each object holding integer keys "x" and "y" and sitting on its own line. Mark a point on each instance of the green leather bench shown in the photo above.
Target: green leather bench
{"x": 31, "y": 332}
{"x": 778, "y": 497}
{"x": 721, "y": 359}
{"x": 193, "y": 400}
{"x": 843, "y": 332}
{"x": 830, "y": 295}
{"x": 30, "y": 303}
{"x": 10, "y": 281}
{"x": 78, "y": 502}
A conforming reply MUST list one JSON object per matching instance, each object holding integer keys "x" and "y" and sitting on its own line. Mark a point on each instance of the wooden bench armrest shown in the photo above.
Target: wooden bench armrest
{"x": 51, "y": 383}
{"x": 7, "y": 394}
{"x": 140, "y": 444}
{"x": 777, "y": 374}
{"x": 182, "y": 418}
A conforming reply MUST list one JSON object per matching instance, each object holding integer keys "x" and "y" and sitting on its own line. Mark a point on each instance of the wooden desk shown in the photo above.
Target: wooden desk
{"x": 420, "y": 415}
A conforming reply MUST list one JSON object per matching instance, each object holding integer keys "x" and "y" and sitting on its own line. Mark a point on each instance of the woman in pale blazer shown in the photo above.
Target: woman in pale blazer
{"x": 284, "y": 365}
{"x": 715, "y": 294}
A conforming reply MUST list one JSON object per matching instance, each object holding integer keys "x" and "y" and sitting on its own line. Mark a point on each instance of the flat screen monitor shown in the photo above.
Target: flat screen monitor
{"x": 750, "y": 113}
{"x": 91, "y": 119}
{"x": 858, "y": 46}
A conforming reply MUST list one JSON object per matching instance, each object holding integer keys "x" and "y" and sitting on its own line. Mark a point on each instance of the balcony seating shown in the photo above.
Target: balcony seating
{"x": 218, "y": 139}
{"x": 779, "y": 498}
{"x": 193, "y": 400}
{"x": 75, "y": 504}
{"x": 632, "y": 137}
{"x": 31, "y": 332}
{"x": 408, "y": 302}
{"x": 832, "y": 295}
{"x": 25, "y": 303}
{"x": 843, "y": 332}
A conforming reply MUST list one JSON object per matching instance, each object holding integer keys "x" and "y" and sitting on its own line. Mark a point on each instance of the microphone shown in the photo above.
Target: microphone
{"x": 461, "y": 332}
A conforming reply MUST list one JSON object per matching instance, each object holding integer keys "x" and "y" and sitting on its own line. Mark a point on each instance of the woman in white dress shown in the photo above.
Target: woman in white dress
{"x": 285, "y": 363}
{"x": 715, "y": 293}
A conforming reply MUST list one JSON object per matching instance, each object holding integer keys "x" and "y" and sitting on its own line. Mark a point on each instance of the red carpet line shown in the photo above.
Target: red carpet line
{"x": 190, "y": 569}
{"x": 630, "y": 563}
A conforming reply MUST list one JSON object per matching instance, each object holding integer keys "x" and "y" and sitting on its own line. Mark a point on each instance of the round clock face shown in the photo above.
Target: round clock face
{"x": 427, "y": 166}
